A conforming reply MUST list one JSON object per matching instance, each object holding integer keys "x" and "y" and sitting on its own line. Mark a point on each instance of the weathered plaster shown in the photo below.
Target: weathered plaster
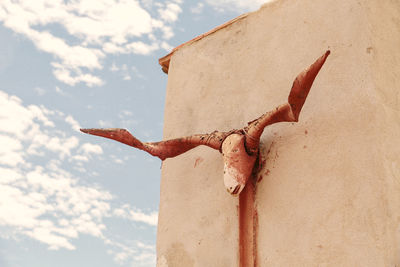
{"x": 329, "y": 189}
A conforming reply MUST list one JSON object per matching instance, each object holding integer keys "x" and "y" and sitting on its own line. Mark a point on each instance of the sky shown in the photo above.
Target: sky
{"x": 66, "y": 198}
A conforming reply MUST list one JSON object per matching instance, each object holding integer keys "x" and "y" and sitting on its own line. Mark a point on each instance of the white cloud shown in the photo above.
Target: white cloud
{"x": 136, "y": 215}
{"x": 166, "y": 46}
{"x": 39, "y": 91}
{"x": 59, "y": 91}
{"x": 88, "y": 148}
{"x": 125, "y": 72}
{"x": 80, "y": 158}
{"x": 74, "y": 76}
{"x": 168, "y": 33}
{"x": 9, "y": 154}
{"x": 237, "y": 5}
{"x": 47, "y": 236}
{"x": 62, "y": 146}
{"x": 170, "y": 12}
{"x": 136, "y": 252}
{"x": 105, "y": 124}
{"x": 114, "y": 67}
{"x": 71, "y": 56}
{"x": 138, "y": 73}
{"x": 95, "y": 28}
{"x": 141, "y": 48}
{"x": 197, "y": 9}
{"x": 118, "y": 161}
{"x": 127, "y": 112}
{"x": 22, "y": 118}
{"x": 75, "y": 125}
{"x": 46, "y": 202}
{"x": 127, "y": 77}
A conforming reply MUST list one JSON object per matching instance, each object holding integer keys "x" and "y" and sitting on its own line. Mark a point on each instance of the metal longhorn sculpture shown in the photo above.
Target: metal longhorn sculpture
{"x": 239, "y": 148}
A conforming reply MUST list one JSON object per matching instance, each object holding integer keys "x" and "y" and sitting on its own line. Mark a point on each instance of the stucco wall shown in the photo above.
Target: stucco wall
{"x": 329, "y": 192}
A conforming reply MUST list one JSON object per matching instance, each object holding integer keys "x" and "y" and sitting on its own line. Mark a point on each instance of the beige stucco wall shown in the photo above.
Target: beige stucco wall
{"x": 330, "y": 188}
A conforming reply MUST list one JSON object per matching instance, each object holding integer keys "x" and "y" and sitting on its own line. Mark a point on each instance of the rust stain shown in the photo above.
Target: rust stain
{"x": 255, "y": 234}
{"x": 270, "y": 147}
{"x": 270, "y": 158}
{"x": 262, "y": 163}
{"x": 247, "y": 227}
{"x": 304, "y": 146}
{"x": 305, "y": 132}
{"x": 198, "y": 161}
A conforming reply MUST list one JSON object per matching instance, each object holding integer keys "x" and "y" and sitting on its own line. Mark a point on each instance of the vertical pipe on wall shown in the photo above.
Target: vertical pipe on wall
{"x": 247, "y": 226}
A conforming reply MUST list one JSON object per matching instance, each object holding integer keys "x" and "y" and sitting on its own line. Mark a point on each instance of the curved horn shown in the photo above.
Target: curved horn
{"x": 162, "y": 149}
{"x": 302, "y": 85}
{"x": 287, "y": 112}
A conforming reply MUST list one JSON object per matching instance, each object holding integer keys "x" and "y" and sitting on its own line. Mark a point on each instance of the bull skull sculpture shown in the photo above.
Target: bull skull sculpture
{"x": 239, "y": 148}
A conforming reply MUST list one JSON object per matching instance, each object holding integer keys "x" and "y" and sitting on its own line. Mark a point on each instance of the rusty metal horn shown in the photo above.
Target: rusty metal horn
{"x": 287, "y": 112}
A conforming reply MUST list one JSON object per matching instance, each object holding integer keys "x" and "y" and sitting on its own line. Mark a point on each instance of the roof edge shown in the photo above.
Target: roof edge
{"x": 164, "y": 61}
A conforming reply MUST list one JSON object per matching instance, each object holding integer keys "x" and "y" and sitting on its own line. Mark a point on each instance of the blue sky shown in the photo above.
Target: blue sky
{"x": 69, "y": 199}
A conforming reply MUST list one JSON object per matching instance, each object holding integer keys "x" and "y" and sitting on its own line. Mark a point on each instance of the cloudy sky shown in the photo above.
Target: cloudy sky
{"x": 69, "y": 199}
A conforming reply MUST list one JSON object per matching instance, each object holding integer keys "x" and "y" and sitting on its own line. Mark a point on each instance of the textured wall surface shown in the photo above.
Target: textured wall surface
{"x": 329, "y": 190}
